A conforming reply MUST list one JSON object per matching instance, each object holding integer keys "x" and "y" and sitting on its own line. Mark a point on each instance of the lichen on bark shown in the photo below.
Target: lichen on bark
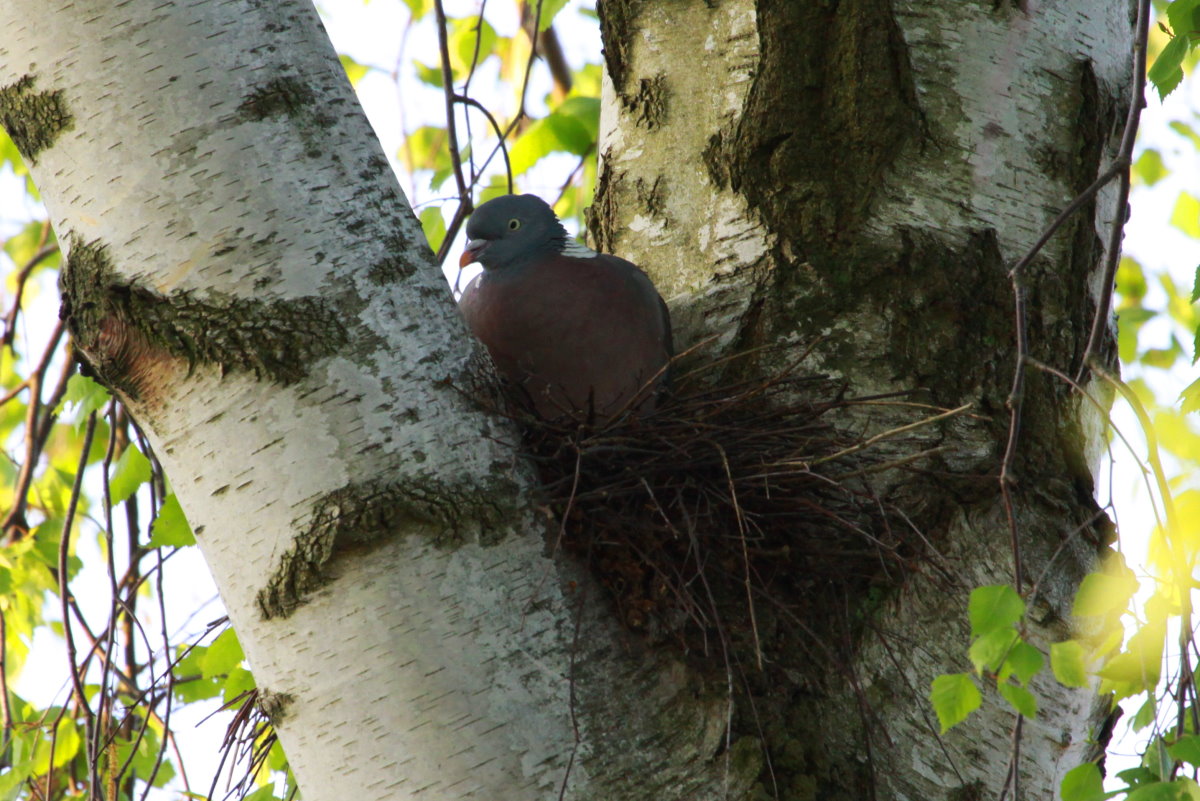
{"x": 360, "y": 516}
{"x": 33, "y": 119}
{"x": 119, "y": 326}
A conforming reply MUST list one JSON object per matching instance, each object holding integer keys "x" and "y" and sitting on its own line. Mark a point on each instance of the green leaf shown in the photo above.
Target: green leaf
{"x": 1183, "y": 129}
{"x": 171, "y": 527}
{"x": 264, "y": 793}
{"x": 1149, "y": 168}
{"x": 554, "y": 133}
{"x": 222, "y": 656}
{"x": 990, "y": 650}
{"x": 1083, "y": 783}
{"x": 434, "y": 226}
{"x": 1134, "y": 671}
{"x": 131, "y": 471}
{"x": 1186, "y": 749}
{"x": 1021, "y": 699}
{"x": 425, "y": 149}
{"x": 428, "y": 75}
{"x": 1196, "y": 290}
{"x": 197, "y": 689}
{"x": 10, "y": 155}
{"x": 1145, "y": 715}
{"x": 1024, "y": 661}
{"x": 1184, "y": 16}
{"x": 87, "y": 396}
{"x": 1067, "y": 662}
{"x": 994, "y": 607}
{"x": 1136, "y": 776}
{"x": 1131, "y": 321}
{"x": 1190, "y": 397}
{"x": 1101, "y": 593}
{"x": 462, "y": 44}
{"x": 1167, "y": 70}
{"x": 548, "y": 10}
{"x": 354, "y": 70}
{"x": 418, "y": 8}
{"x": 24, "y": 245}
{"x": 1158, "y": 791}
{"x": 954, "y": 696}
{"x": 66, "y": 746}
{"x": 1162, "y": 358}
{"x": 238, "y": 682}
{"x": 1186, "y": 214}
{"x": 586, "y": 110}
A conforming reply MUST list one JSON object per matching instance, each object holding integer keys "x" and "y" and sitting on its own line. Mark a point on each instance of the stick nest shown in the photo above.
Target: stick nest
{"x": 729, "y": 510}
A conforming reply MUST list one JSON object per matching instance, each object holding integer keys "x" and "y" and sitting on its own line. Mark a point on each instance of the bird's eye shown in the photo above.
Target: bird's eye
{"x": 514, "y": 224}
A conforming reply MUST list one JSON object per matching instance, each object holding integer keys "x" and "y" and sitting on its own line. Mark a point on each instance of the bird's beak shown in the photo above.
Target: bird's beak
{"x": 471, "y": 253}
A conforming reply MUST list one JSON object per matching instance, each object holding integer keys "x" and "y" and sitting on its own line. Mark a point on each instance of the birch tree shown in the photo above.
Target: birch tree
{"x": 243, "y": 271}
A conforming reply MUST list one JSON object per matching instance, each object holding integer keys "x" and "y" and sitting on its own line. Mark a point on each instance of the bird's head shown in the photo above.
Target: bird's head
{"x": 510, "y": 230}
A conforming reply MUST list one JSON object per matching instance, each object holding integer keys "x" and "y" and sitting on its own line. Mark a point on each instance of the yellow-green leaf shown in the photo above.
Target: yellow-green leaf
{"x": 222, "y": 656}
{"x": 354, "y": 70}
{"x": 1166, "y": 72}
{"x": 1186, "y": 749}
{"x": 1186, "y": 214}
{"x": 1149, "y": 168}
{"x": 1083, "y": 783}
{"x": 1068, "y": 663}
{"x": 993, "y": 607}
{"x": 171, "y": 527}
{"x": 1102, "y": 593}
{"x": 434, "y": 226}
{"x": 130, "y": 472}
{"x": 1020, "y": 699}
{"x": 954, "y": 696}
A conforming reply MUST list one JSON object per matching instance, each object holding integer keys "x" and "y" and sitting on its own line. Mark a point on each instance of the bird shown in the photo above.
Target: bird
{"x": 580, "y": 335}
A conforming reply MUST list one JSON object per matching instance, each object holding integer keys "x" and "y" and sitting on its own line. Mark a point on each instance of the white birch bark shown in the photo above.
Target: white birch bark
{"x": 246, "y": 272}
{"x": 998, "y": 87}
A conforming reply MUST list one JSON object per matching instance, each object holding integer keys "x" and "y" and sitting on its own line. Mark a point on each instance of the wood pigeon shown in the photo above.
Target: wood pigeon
{"x": 580, "y": 334}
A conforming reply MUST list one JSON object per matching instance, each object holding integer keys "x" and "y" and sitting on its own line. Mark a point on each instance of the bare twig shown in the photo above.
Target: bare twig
{"x": 1125, "y": 159}
{"x": 64, "y": 594}
{"x": 448, "y": 92}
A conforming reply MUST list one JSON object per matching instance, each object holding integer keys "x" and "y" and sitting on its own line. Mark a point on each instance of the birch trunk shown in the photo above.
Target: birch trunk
{"x": 244, "y": 271}
{"x": 867, "y": 171}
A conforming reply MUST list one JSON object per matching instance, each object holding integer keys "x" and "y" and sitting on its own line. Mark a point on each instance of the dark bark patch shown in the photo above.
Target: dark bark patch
{"x": 291, "y": 98}
{"x": 648, "y": 104}
{"x": 617, "y": 26}
{"x": 358, "y": 517}
{"x": 392, "y": 269}
{"x": 275, "y": 705}
{"x": 284, "y": 96}
{"x": 124, "y": 330}
{"x": 32, "y": 119}
{"x": 829, "y": 111}
{"x": 944, "y": 307}
{"x": 600, "y": 217}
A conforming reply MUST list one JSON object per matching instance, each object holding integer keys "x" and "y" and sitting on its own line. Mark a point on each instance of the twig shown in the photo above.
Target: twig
{"x": 473, "y": 103}
{"x": 64, "y": 545}
{"x": 891, "y": 433}
{"x": 448, "y": 92}
{"x": 1125, "y": 159}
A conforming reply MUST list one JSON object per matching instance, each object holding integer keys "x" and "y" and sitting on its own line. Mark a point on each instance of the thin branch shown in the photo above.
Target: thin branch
{"x": 10, "y": 322}
{"x": 64, "y": 545}
{"x": 464, "y": 196}
{"x": 1124, "y": 158}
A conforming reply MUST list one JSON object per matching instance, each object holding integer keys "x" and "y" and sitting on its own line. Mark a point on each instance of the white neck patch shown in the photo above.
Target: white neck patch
{"x": 577, "y": 251}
